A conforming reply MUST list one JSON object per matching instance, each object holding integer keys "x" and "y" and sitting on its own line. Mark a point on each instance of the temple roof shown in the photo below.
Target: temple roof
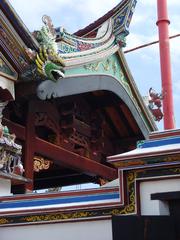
{"x": 75, "y": 98}
{"x": 91, "y": 29}
{"x": 16, "y": 22}
{"x": 158, "y": 151}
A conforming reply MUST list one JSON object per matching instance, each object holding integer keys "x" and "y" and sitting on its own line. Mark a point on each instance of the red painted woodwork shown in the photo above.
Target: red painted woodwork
{"x": 164, "y": 47}
{"x": 29, "y": 146}
{"x": 74, "y": 161}
{"x": 76, "y": 133}
{"x": 129, "y": 116}
{"x": 61, "y": 155}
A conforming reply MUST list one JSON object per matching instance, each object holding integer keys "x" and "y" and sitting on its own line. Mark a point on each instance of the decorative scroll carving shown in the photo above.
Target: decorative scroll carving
{"x": 41, "y": 164}
{"x": 106, "y": 66}
{"x": 81, "y": 130}
{"x": 42, "y": 119}
{"x": 130, "y": 208}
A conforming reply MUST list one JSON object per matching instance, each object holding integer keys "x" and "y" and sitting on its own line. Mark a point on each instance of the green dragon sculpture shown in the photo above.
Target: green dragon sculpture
{"x": 47, "y": 61}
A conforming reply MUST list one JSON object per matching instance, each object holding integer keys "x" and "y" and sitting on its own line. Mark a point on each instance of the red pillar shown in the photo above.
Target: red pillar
{"x": 165, "y": 60}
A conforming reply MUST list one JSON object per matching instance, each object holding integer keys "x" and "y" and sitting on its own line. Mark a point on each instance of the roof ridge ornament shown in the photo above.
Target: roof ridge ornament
{"x": 48, "y": 22}
{"x": 60, "y": 50}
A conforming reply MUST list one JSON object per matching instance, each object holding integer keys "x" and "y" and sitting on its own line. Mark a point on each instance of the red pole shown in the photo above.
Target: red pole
{"x": 165, "y": 61}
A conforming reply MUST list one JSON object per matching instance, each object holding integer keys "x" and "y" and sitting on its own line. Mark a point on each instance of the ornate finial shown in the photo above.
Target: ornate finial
{"x": 48, "y": 62}
{"x": 48, "y": 22}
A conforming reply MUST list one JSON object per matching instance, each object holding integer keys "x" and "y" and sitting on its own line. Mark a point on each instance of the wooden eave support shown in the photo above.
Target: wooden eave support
{"x": 74, "y": 161}
{"x": 65, "y": 157}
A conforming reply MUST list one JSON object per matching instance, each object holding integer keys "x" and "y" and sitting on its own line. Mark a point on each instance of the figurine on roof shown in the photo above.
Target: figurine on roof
{"x": 155, "y": 104}
{"x": 49, "y": 64}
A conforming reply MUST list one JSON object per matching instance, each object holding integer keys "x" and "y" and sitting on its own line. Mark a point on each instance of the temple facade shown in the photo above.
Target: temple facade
{"x": 71, "y": 113}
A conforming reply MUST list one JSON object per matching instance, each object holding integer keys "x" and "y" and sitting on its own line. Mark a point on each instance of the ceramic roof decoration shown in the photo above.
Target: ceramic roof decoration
{"x": 75, "y": 100}
{"x": 59, "y": 50}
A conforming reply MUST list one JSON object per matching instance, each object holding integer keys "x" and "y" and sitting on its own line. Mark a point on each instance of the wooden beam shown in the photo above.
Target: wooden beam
{"x": 130, "y": 119}
{"x": 74, "y": 161}
{"x": 117, "y": 121}
{"x": 65, "y": 157}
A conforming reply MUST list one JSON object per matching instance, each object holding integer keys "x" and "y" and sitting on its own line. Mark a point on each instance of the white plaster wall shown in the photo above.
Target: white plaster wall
{"x": 114, "y": 183}
{"x": 5, "y": 187}
{"x": 7, "y": 84}
{"x": 156, "y": 207}
{"x": 89, "y": 230}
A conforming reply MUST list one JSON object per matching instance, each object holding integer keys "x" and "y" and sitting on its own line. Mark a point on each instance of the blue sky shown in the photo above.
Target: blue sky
{"x": 144, "y": 63}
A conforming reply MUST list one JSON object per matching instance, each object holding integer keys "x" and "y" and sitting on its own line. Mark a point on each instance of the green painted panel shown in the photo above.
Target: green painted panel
{"x": 109, "y": 66}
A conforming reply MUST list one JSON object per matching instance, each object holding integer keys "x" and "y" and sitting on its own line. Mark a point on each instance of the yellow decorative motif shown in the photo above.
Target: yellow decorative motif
{"x": 131, "y": 177}
{"x": 125, "y": 84}
{"x": 172, "y": 158}
{"x": 57, "y": 217}
{"x": 114, "y": 67}
{"x": 107, "y": 65}
{"x": 128, "y": 89}
{"x": 93, "y": 67}
{"x": 177, "y": 170}
{"x": 131, "y": 207}
{"x": 41, "y": 164}
{"x": 129, "y": 163}
{"x": 1, "y": 63}
{"x": 3, "y": 221}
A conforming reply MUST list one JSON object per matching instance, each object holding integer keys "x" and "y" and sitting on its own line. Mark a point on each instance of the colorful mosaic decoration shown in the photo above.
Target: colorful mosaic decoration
{"x": 60, "y": 50}
{"x": 122, "y": 21}
{"x": 6, "y": 69}
{"x": 11, "y": 47}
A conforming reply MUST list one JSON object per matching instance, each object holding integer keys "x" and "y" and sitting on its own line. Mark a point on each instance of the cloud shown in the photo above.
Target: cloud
{"x": 68, "y": 13}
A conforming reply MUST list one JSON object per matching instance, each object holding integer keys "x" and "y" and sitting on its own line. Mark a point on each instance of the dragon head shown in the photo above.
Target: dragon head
{"x": 49, "y": 64}
{"x": 53, "y": 71}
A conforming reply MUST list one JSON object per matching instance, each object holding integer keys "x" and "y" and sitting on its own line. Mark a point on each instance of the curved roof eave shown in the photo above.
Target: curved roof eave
{"x": 135, "y": 90}
{"x": 89, "y": 83}
{"x": 93, "y": 26}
